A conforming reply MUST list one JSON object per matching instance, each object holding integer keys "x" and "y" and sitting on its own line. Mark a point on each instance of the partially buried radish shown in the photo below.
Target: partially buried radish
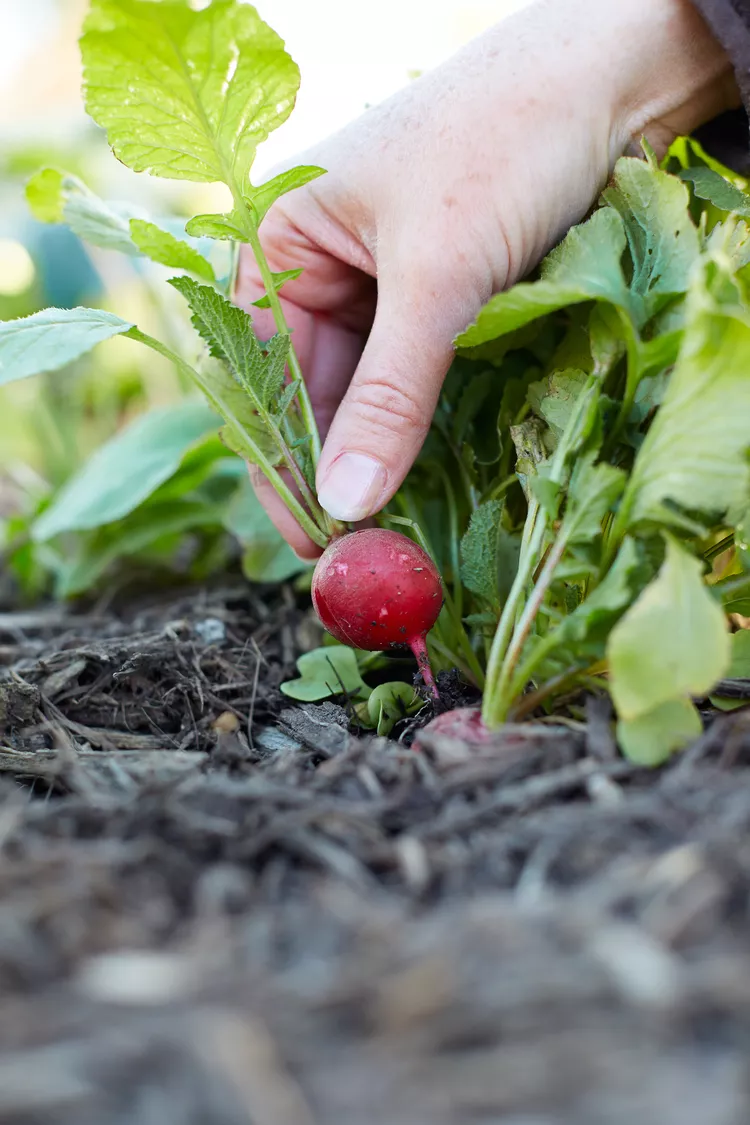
{"x": 376, "y": 589}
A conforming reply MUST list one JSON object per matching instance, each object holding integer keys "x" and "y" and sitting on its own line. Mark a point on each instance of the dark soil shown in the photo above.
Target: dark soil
{"x": 216, "y": 909}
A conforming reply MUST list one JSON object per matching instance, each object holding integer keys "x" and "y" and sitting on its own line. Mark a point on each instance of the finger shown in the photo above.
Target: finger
{"x": 384, "y": 417}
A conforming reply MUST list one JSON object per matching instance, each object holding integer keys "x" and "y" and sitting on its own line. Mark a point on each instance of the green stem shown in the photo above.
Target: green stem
{"x": 250, "y": 231}
{"x": 517, "y": 616}
{"x": 255, "y": 454}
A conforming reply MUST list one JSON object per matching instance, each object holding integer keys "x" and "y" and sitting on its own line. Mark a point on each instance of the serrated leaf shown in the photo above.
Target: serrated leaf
{"x": 672, "y": 643}
{"x": 489, "y": 554}
{"x": 694, "y": 454}
{"x": 228, "y": 332}
{"x": 162, "y": 247}
{"x": 652, "y": 738}
{"x": 327, "y": 672}
{"x": 585, "y": 267}
{"x": 279, "y": 280}
{"x": 711, "y": 186}
{"x": 184, "y": 93}
{"x": 119, "y": 476}
{"x": 663, "y": 241}
{"x": 263, "y": 197}
{"x": 51, "y": 339}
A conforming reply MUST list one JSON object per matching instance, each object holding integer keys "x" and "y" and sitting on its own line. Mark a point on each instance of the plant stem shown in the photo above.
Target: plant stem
{"x": 255, "y": 454}
{"x": 250, "y": 230}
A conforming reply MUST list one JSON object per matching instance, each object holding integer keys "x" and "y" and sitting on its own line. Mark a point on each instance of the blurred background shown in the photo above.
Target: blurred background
{"x": 351, "y": 55}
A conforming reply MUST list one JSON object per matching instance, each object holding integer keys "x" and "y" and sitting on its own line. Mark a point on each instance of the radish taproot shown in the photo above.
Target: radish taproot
{"x": 375, "y": 589}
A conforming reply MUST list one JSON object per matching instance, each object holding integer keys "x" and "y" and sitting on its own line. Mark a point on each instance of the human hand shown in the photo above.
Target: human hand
{"x": 449, "y": 192}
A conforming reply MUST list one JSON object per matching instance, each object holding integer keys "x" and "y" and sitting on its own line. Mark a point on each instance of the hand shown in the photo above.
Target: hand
{"x": 449, "y": 192}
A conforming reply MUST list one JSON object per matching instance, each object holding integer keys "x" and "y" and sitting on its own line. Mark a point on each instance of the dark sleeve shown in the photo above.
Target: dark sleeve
{"x": 728, "y": 136}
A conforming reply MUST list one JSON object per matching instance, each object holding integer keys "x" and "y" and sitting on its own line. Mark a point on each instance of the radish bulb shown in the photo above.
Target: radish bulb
{"x": 375, "y": 589}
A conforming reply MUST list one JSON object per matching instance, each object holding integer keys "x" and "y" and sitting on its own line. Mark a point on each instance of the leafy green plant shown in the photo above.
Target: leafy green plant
{"x": 618, "y": 385}
{"x": 588, "y": 464}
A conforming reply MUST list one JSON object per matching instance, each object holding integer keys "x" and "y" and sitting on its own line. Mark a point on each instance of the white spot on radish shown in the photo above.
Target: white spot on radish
{"x": 341, "y": 568}
{"x": 383, "y": 612}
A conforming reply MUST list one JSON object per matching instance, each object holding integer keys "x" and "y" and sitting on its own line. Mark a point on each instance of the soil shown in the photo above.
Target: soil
{"x": 220, "y": 909}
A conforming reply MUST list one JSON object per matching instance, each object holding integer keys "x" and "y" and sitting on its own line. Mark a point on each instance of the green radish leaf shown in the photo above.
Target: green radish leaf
{"x": 267, "y": 557}
{"x": 279, "y": 280}
{"x": 390, "y": 703}
{"x": 263, "y": 197}
{"x": 709, "y": 185}
{"x": 664, "y": 244}
{"x": 162, "y": 247}
{"x": 489, "y": 554}
{"x": 228, "y": 332}
{"x": 652, "y": 738}
{"x": 554, "y": 399}
{"x": 184, "y": 93}
{"x": 227, "y": 227}
{"x": 51, "y": 339}
{"x": 585, "y": 267}
{"x": 124, "y": 471}
{"x": 594, "y": 491}
{"x": 739, "y": 669}
{"x": 44, "y": 195}
{"x": 59, "y": 197}
{"x": 694, "y": 454}
{"x": 672, "y": 643}
{"x": 585, "y": 631}
{"x": 327, "y": 672}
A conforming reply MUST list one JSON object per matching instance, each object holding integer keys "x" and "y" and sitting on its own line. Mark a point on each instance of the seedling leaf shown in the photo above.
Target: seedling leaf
{"x": 327, "y": 672}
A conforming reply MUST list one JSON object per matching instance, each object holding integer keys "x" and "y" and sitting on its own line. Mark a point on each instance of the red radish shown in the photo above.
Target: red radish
{"x": 464, "y": 724}
{"x": 376, "y": 589}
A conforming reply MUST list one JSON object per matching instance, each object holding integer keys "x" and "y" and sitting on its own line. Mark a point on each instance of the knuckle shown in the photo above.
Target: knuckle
{"x": 389, "y": 406}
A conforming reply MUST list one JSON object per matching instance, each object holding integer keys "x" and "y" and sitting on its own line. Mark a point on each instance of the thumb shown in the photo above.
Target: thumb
{"x": 383, "y": 419}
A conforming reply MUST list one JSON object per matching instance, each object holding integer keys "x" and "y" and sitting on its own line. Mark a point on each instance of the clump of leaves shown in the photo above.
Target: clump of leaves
{"x": 334, "y": 671}
{"x": 617, "y": 386}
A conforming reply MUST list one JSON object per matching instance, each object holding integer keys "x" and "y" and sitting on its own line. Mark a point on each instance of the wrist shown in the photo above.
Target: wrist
{"x": 673, "y": 74}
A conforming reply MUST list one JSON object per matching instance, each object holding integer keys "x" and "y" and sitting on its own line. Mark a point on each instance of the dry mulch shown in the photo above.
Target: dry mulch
{"x": 219, "y": 909}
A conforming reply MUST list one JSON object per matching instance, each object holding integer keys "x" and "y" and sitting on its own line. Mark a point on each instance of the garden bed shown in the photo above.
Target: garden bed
{"x": 217, "y": 908}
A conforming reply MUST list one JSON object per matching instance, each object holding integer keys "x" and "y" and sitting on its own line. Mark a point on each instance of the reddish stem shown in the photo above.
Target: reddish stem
{"x": 419, "y": 648}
